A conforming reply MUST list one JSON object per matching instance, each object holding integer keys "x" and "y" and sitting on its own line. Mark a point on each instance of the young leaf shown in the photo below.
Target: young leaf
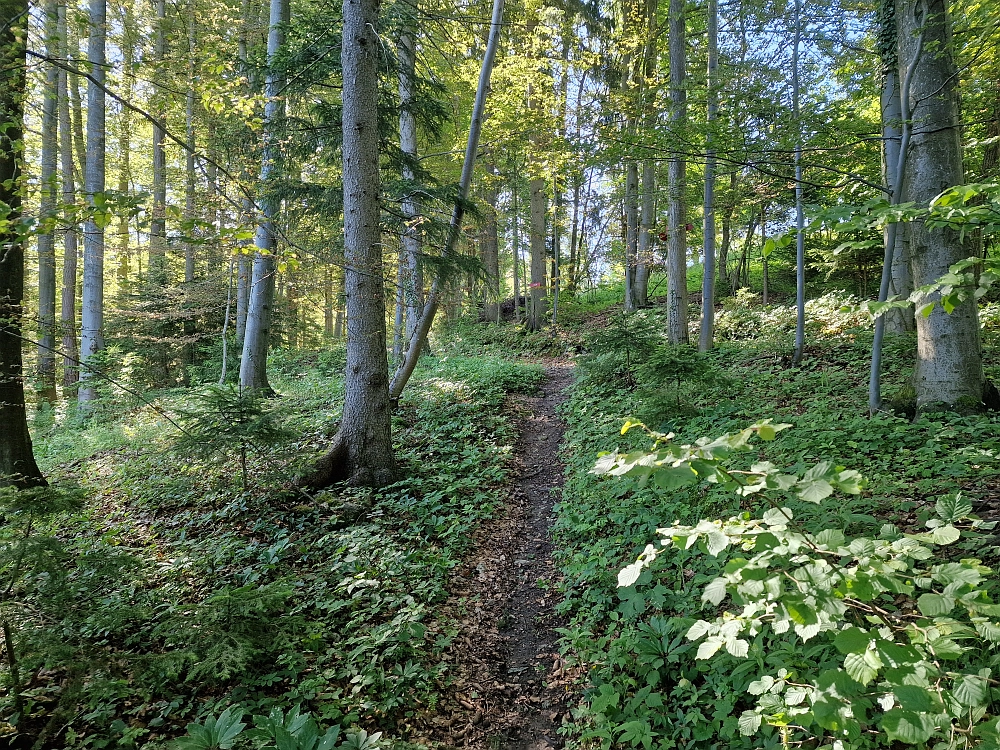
{"x": 749, "y": 723}
{"x": 935, "y": 605}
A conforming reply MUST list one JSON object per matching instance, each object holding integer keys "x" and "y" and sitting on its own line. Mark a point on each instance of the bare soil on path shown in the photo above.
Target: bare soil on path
{"x": 511, "y": 690}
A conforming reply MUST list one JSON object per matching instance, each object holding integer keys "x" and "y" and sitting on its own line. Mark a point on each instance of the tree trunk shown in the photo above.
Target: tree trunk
{"x": 67, "y": 307}
{"x": 47, "y": 209}
{"x": 189, "y": 161}
{"x": 539, "y": 207}
{"x": 677, "y": 297}
{"x": 365, "y": 430}
{"x": 92, "y": 322}
{"x": 707, "y": 332}
{"x": 17, "y": 463}
{"x": 156, "y": 268}
{"x": 419, "y": 338}
{"x": 949, "y": 368}
{"x": 413, "y": 281}
{"x": 765, "y": 281}
{"x": 516, "y": 248}
{"x": 631, "y": 231}
{"x": 647, "y": 216}
{"x": 800, "y": 247}
{"x": 490, "y": 249}
{"x": 260, "y": 309}
{"x": 900, "y": 284}
{"x": 328, "y": 302}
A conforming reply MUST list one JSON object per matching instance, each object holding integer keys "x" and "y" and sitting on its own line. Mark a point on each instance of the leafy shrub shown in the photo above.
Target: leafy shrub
{"x": 883, "y": 643}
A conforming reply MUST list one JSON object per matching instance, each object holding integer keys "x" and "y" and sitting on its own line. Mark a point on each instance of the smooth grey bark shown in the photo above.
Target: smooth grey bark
{"x": 647, "y": 217}
{"x": 413, "y": 281}
{"x": 260, "y": 307}
{"x": 538, "y": 207}
{"x": 631, "y": 231}
{"x": 949, "y": 368}
{"x": 574, "y": 235}
{"x": 647, "y": 220}
{"x": 490, "y": 249}
{"x": 398, "y": 318}
{"x": 800, "y": 248}
{"x": 243, "y": 264}
{"x": 898, "y": 320}
{"x": 92, "y": 304}
{"x": 189, "y": 160}
{"x": 67, "y": 307}
{"x": 764, "y": 277}
{"x": 225, "y": 322}
{"x": 362, "y": 452}
{"x": 125, "y": 122}
{"x": 76, "y": 113}
{"x": 516, "y": 248}
{"x": 419, "y": 338}
{"x": 556, "y": 249}
{"x": 17, "y": 462}
{"x": 156, "y": 267}
{"x": 706, "y": 335}
{"x": 677, "y": 296}
{"x": 897, "y": 129}
{"x": 48, "y": 189}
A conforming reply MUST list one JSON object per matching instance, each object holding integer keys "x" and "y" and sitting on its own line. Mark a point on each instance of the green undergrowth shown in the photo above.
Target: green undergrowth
{"x": 643, "y": 686}
{"x": 174, "y": 592}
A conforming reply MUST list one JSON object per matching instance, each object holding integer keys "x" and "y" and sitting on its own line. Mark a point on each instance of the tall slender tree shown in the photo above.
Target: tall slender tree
{"x": 92, "y": 321}
{"x": 67, "y": 306}
{"x": 800, "y": 238}
{"x": 412, "y": 269}
{"x": 362, "y": 451}
{"x": 49, "y": 190}
{"x": 949, "y": 367}
{"x": 260, "y": 307}
{"x": 17, "y": 463}
{"x": 157, "y": 263}
{"x": 677, "y": 297}
{"x": 707, "y": 332}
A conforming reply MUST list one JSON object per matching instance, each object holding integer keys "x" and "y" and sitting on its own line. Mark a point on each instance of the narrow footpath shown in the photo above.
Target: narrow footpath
{"x": 511, "y": 691}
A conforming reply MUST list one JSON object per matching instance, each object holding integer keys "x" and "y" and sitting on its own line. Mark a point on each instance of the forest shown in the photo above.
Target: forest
{"x": 508, "y": 375}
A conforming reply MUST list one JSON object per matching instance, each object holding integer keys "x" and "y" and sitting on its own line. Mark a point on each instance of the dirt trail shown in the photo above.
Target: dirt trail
{"x": 511, "y": 691}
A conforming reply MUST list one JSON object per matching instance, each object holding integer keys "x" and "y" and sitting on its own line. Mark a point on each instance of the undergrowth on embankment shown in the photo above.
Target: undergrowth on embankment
{"x": 171, "y": 591}
{"x": 643, "y": 686}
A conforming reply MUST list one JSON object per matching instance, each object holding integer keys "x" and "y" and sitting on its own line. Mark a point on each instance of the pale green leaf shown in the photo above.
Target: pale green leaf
{"x": 749, "y": 723}
{"x": 935, "y": 605}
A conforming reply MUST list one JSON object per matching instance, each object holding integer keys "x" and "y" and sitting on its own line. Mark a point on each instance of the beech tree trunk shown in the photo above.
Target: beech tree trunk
{"x": 677, "y": 296}
{"x": 47, "y": 204}
{"x": 949, "y": 368}
{"x": 706, "y": 335}
{"x": 419, "y": 338}
{"x": 631, "y": 231}
{"x": 538, "y": 208}
{"x": 260, "y": 308}
{"x": 92, "y": 321}
{"x": 189, "y": 160}
{"x": 800, "y": 252}
{"x": 17, "y": 463}
{"x": 490, "y": 250}
{"x": 900, "y": 282}
{"x": 67, "y": 307}
{"x": 157, "y": 265}
{"x": 413, "y": 281}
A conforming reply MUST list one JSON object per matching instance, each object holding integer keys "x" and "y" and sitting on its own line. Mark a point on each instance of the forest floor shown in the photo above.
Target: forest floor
{"x": 511, "y": 688}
